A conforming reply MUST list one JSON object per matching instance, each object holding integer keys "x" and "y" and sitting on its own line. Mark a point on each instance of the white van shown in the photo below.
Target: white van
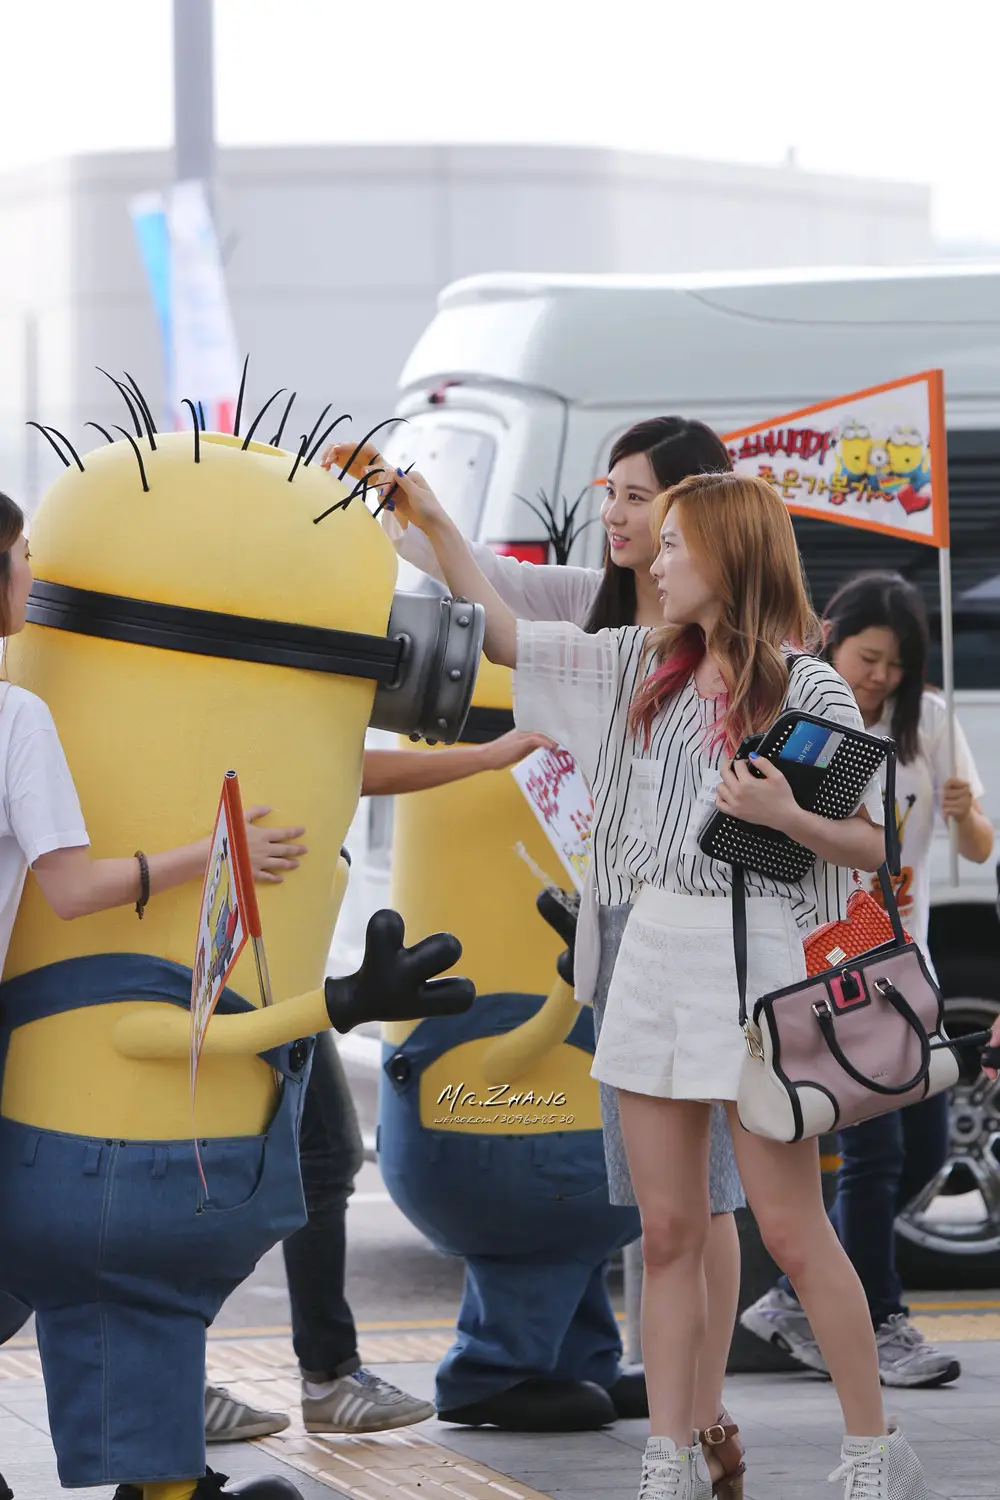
{"x": 522, "y": 383}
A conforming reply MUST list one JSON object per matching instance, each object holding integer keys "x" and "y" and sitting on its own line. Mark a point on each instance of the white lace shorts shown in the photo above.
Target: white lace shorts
{"x": 671, "y": 1027}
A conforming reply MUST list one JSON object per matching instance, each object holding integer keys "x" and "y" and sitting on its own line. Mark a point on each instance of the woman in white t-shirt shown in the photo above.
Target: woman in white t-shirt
{"x": 876, "y": 637}
{"x": 653, "y": 720}
{"x": 41, "y": 824}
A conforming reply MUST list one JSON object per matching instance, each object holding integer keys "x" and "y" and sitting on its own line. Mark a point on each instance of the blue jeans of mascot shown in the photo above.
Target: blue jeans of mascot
{"x": 113, "y": 1247}
{"x": 529, "y": 1214}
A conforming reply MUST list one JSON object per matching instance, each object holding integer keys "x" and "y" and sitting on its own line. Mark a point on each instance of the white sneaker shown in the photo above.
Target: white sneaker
{"x": 779, "y": 1319}
{"x": 671, "y": 1473}
{"x": 882, "y": 1468}
{"x": 361, "y": 1402}
{"x": 905, "y": 1358}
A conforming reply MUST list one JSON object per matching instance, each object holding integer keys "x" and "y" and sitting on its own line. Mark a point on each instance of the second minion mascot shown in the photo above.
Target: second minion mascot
{"x": 204, "y": 602}
{"x": 489, "y": 1123}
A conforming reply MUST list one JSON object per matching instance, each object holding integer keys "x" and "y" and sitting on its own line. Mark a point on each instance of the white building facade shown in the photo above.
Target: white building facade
{"x": 335, "y": 255}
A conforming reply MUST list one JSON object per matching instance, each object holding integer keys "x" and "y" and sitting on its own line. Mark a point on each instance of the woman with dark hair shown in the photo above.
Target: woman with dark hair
{"x": 644, "y": 461}
{"x": 876, "y": 638}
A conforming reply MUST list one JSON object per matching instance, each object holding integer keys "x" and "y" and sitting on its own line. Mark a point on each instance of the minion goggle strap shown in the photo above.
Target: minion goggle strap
{"x": 425, "y": 665}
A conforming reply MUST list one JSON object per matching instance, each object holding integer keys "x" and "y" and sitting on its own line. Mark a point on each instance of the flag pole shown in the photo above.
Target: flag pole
{"x": 948, "y": 673}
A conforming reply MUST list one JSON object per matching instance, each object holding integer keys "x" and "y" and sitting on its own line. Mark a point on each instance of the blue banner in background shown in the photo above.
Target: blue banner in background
{"x": 180, "y": 253}
{"x": 149, "y": 220}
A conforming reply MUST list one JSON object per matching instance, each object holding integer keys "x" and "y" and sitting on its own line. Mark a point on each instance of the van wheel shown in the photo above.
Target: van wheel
{"x": 948, "y": 1238}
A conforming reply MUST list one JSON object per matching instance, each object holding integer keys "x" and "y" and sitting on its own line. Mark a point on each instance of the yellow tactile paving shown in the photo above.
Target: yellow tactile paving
{"x": 391, "y": 1466}
{"x": 231, "y": 1359}
{"x": 265, "y": 1354}
{"x": 955, "y": 1328}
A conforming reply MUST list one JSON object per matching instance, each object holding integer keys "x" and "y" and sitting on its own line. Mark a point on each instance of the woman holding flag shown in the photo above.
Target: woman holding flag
{"x": 876, "y": 638}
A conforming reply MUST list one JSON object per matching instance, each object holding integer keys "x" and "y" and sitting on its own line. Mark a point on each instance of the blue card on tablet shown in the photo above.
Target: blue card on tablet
{"x": 811, "y": 745}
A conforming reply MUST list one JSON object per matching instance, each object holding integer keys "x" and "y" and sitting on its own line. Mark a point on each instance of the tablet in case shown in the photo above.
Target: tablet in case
{"x": 827, "y": 765}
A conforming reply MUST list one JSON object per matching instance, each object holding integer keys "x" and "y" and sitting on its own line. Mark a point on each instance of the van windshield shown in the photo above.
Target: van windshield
{"x": 457, "y": 463}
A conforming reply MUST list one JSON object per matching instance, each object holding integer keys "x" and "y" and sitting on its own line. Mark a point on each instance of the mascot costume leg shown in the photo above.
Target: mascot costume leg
{"x": 489, "y": 1124}
{"x": 204, "y": 601}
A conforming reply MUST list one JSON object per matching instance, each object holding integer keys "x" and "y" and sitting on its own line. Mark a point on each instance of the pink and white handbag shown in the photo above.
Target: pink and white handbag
{"x": 859, "y": 1039}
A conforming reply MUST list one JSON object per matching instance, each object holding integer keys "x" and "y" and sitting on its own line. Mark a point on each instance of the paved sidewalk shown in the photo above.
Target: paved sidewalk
{"x": 790, "y": 1423}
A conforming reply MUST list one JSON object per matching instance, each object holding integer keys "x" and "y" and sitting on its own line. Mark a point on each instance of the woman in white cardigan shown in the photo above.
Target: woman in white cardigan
{"x": 645, "y": 460}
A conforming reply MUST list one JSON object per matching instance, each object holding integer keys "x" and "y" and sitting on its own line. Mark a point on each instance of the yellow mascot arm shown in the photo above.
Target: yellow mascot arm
{"x": 393, "y": 984}
{"x": 514, "y": 1054}
{"x": 164, "y": 1031}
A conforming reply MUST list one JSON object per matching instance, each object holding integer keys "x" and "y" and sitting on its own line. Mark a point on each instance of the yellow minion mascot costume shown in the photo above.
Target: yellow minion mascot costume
{"x": 489, "y": 1123}
{"x": 203, "y": 601}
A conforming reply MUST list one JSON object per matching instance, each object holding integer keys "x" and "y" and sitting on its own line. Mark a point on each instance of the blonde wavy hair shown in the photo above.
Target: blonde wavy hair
{"x": 740, "y": 537}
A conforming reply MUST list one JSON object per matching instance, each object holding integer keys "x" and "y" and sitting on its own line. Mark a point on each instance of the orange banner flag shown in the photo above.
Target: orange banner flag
{"x": 876, "y": 459}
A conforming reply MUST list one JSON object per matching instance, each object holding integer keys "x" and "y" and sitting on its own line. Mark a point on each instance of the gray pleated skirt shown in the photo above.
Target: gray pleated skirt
{"x": 725, "y": 1188}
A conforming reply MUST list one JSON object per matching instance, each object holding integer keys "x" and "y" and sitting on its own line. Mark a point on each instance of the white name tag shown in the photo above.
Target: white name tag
{"x": 703, "y": 809}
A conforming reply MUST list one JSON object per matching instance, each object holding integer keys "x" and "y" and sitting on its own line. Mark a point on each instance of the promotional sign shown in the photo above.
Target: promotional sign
{"x": 560, "y": 799}
{"x": 874, "y": 459}
{"x": 228, "y": 916}
{"x": 180, "y": 252}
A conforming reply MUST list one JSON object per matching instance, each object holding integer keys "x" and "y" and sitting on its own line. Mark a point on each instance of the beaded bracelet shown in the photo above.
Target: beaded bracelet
{"x": 140, "y": 905}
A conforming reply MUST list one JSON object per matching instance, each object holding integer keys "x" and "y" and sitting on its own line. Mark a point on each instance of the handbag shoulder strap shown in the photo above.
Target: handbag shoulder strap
{"x": 740, "y": 938}
{"x": 888, "y": 868}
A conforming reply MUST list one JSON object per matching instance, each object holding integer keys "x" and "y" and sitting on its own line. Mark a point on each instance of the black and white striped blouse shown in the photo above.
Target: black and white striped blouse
{"x": 649, "y": 804}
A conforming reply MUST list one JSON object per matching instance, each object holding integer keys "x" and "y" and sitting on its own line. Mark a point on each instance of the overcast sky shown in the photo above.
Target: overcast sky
{"x": 869, "y": 87}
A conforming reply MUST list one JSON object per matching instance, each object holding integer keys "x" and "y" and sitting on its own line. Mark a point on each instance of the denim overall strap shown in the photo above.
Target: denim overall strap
{"x": 106, "y": 979}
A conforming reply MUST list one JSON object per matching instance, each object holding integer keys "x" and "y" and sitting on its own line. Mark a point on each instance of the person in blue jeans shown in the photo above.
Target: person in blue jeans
{"x": 877, "y": 640}
{"x": 338, "y": 1395}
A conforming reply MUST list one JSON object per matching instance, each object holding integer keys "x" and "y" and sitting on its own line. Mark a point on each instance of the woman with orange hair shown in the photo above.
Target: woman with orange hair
{"x": 654, "y": 718}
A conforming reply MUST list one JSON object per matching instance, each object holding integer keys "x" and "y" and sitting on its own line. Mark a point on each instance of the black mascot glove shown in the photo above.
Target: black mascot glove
{"x": 563, "y": 923}
{"x": 396, "y": 983}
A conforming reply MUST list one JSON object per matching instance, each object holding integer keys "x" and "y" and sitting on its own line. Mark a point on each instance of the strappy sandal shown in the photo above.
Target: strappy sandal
{"x": 722, "y": 1442}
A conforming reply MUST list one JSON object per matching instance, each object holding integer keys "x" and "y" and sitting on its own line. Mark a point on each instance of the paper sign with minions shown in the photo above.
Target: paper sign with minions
{"x": 223, "y": 927}
{"x": 874, "y": 459}
{"x": 559, "y": 798}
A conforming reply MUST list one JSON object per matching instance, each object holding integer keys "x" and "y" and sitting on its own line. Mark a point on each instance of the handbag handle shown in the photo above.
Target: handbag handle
{"x": 824, "y": 1015}
{"x": 890, "y": 866}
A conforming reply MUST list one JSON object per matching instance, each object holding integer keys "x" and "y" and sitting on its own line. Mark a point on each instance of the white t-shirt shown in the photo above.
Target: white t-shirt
{"x": 918, "y": 799}
{"x": 39, "y": 808}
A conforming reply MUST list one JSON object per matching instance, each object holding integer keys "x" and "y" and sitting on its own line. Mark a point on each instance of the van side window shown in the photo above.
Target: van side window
{"x": 456, "y": 461}
{"x": 830, "y": 554}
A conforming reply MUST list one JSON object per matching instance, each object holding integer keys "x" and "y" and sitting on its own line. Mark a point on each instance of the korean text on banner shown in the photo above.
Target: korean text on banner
{"x": 875, "y": 459}
{"x": 560, "y": 799}
{"x": 225, "y": 922}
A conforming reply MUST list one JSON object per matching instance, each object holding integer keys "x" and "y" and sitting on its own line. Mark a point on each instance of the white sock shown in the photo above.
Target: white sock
{"x": 660, "y": 1447}
{"x": 324, "y": 1388}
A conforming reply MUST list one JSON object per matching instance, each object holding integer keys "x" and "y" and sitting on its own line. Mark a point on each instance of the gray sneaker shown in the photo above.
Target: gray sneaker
{"x": 361, "y": 1402}
{"x": 229, "y": 1420}
{"x": 906, "y": 1358}
{"x": 778, "y": 1319}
